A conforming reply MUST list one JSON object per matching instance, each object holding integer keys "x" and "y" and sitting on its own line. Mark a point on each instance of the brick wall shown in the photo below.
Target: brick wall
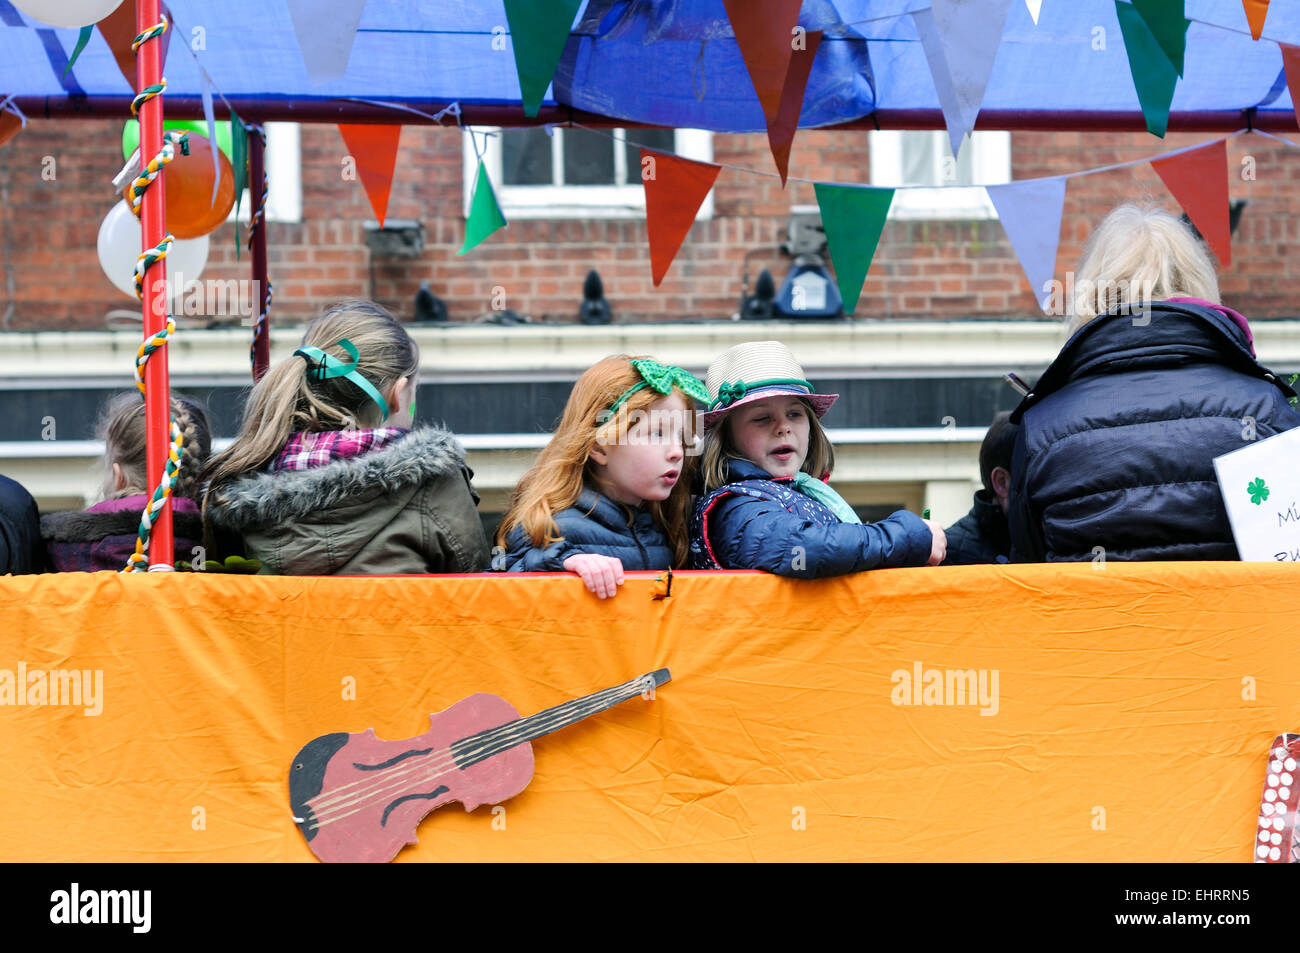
{"x": 922, "y": 269}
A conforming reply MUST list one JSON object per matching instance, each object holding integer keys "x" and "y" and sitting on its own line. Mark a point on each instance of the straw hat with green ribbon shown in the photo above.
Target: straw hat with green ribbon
{"x": 753, "y": 371}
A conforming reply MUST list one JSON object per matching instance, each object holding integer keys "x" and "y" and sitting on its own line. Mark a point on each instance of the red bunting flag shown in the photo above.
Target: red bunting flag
{"x": 9, "y": 125}
{"x": 1256, "y": 10}
{"x": 373, "y": 148}
{"x": 674, "y": 190}
{"x": 780, "y": 131}
{"x": 1291, "y": 63}
{"x": 1199, "y": 180}
{"x": 765, "y": 32}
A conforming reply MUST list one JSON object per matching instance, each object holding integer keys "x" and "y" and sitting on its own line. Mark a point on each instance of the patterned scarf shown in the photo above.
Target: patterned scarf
{"x": 306, "y": 451}
{"x": 815, "y": 489}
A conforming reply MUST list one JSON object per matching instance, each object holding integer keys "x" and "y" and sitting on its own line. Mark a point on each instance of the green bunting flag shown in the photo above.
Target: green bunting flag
{"x": 82, "y": 39}
{"x": 1154, "y": 74}
{"x": 1165, "y": 20}
{"x": 538, "y": 30}
{"x": 853, "y": 217}
{"x": 239, "y": 160}
{"x": 484, "y": 213}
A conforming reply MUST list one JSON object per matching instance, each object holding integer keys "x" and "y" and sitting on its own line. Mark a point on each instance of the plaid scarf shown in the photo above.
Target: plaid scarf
{"x": 306, "y": 451}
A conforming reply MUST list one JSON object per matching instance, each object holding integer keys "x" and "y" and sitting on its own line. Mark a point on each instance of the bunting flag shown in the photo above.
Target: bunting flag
{"x": 765, "y": 31}
{"x": 325, "y": 31}
{"x": 780, "y": 132}
{"x": 212, "y": 135}
{"x": 1165, "y": 20}
{"x": 1256, "y": 11}
{"x": 538, "y": 31}
{"x": 484, "y": 213}
{"x": 373, "y": 147}
{"x": 1035, "y": 7}
{"x": 853, "y": 217}
{"x": 961, "y": 40}
{"x": 1154, "y": 74}
{"x": 674, "y": 190}
{"x": 1030, "y": 213}
{"x": 1198, "y": 178}
{"x": 239, "y": 161}
{"x": 1291, "y": 65}
{"x": 10, "y": 123}
{"x": 118, "y": 30}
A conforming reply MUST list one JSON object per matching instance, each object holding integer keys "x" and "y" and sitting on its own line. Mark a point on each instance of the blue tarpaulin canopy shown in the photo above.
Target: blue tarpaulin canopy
{"x": 665, "y": 62}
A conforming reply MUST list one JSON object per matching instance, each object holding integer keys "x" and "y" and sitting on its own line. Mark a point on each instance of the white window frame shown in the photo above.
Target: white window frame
{"x": 576, "y": 201}
{"x": 284, "y": 168}
{"x": 990, "y": 165}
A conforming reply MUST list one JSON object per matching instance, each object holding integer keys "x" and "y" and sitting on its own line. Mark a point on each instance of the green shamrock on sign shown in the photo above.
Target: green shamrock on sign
{"x": 1258, "y": 491}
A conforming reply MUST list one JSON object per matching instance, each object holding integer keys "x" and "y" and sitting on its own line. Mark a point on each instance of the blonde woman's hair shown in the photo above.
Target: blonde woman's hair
{"x": 122, "y": 428}
{"x": 718, "y": 448}
{"x": 564, "y": 465}
{"x": 1140, "y": 254}
{"x": 288, "y": 400}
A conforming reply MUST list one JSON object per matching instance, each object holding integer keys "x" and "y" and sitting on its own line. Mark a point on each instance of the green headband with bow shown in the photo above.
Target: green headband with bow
{"x": 322, "y": 367}
{"x": 663, "y": 378}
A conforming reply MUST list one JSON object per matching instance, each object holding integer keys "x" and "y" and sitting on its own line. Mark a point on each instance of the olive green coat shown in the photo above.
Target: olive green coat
{"x": 404, "y": 508}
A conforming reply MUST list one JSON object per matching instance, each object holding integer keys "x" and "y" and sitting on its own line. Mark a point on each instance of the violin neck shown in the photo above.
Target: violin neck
{"x": 485, "y": 744}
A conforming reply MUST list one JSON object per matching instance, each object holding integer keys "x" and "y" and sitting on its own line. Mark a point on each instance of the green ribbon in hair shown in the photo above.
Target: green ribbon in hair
{"x": 322, "y": 366}
{"x": 663, "y": 378}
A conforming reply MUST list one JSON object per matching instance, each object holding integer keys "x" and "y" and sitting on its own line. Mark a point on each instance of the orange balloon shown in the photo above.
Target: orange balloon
{"x": 190, "y": 209}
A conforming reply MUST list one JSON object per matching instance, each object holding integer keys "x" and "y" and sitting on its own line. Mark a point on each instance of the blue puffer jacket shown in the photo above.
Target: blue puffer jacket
{"x": 595, "y": 524}
{"x": 1118, "y": 438}
{"x": 756, "y": 522}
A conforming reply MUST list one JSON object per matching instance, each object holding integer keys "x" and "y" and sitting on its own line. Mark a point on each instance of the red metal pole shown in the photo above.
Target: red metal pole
{"x": 256, "y": 173}
{"x": 157, "y": 412}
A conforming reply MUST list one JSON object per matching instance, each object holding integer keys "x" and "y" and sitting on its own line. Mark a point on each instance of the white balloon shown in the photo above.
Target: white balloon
{"x": 119, "y": 247}
{"x": 67, "y": 13}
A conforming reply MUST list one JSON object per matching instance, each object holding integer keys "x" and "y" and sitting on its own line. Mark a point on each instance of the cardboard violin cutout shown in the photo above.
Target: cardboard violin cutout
{"x": 358, "y": 798}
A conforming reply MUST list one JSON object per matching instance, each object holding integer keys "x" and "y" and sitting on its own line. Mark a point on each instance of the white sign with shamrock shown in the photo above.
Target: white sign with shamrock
{"x": 1261, "y": 486}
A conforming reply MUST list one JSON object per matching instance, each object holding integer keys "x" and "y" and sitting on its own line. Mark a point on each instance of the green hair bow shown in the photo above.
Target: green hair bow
{"x": 322, "y": 367}
{"x": 663, "y": 378}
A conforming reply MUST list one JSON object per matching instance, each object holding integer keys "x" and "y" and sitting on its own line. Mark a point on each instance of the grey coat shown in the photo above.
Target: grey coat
{"x": 404, "y": 508}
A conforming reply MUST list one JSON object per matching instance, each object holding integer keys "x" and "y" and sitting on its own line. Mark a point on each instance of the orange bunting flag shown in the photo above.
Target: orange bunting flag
{"x": 674, "y": 190}
{"x": 10, "y": 123}
{"x": 118, "y": 30}
{"x": 1291, "y": 63}
{"x": 373, "y": 151}
{"x": 1199, "y": 180}
{"x": 766, "y": 34}
{"x": 1256, "y": 11}
{"x": 781, "y": 130}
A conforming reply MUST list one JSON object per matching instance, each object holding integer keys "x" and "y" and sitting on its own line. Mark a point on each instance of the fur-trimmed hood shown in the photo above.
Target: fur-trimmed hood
{"x": 261, "y": 499}
{"x": 90, "y": 526}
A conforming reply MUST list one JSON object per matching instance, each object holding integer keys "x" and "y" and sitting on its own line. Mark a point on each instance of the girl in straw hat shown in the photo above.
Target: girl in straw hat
{"x": 766, "y": 505}
{"x": 606, "y": 494}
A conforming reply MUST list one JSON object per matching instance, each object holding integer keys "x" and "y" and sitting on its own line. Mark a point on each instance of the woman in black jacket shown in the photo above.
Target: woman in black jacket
{"x": 1115, "y": 453}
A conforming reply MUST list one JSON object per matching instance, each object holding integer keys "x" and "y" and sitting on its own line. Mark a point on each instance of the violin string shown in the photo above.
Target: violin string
{"x": 542, "y": 723}
{"x": 395, "y": 780}
{"x": 580, "y": 704}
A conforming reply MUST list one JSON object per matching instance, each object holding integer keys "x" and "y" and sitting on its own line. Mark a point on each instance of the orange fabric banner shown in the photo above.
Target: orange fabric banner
{"x": 1109, "y": 712}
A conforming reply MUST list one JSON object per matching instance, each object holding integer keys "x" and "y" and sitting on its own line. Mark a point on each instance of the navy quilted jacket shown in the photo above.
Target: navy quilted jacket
{"x": 756, "y": 522}
{"x": 1117, "y": 440}
{"x": 595, "y": 524}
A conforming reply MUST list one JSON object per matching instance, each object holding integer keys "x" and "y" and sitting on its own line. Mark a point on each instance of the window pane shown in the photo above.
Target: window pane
{"x": 588, "y": 158}
{"x": 525, "y": 157}
{"x": 661, "y": 139}
{"x": 918, "y": 158}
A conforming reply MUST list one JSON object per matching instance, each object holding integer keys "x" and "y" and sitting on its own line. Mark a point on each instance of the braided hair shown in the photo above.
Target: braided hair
{"x": 122, "y": 428}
